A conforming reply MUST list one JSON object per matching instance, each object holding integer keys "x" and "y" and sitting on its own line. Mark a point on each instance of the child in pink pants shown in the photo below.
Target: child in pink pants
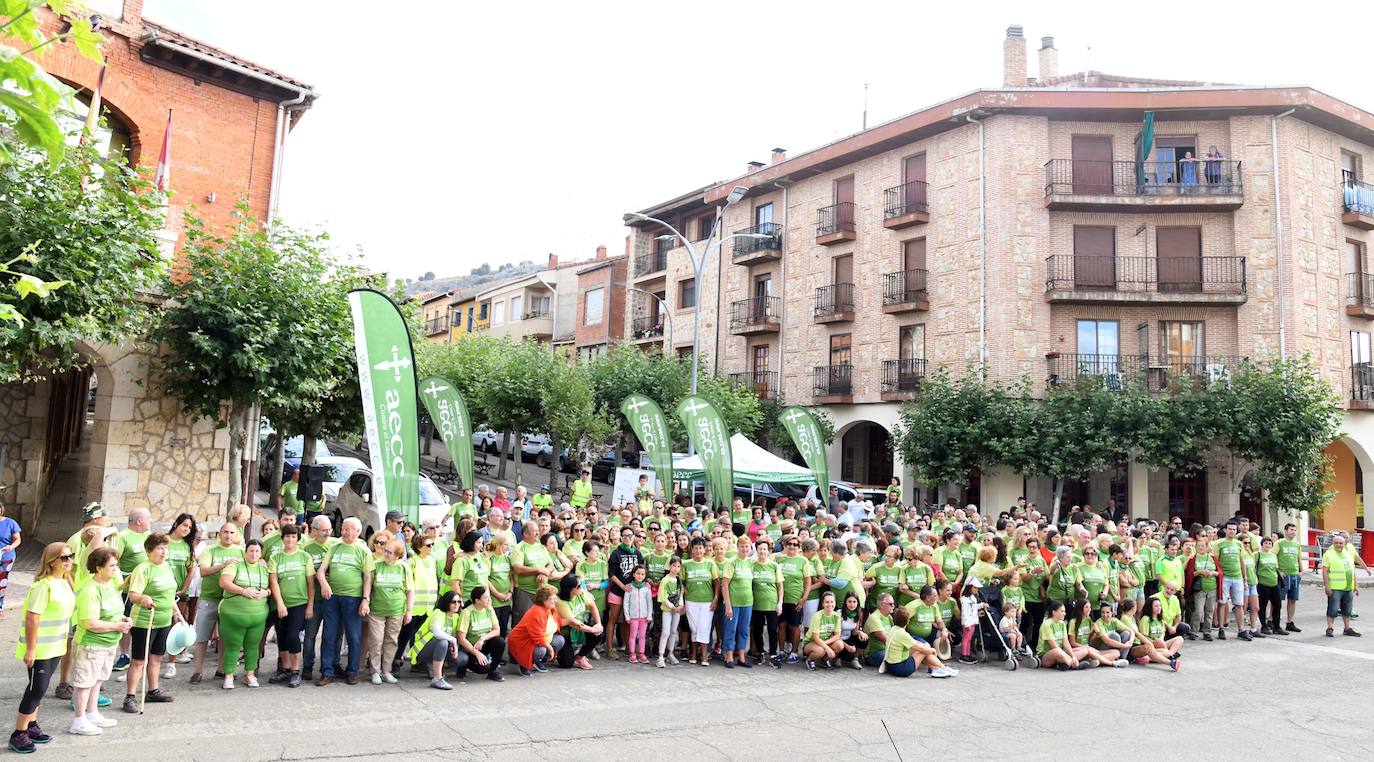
{"x": 639, "y": 611}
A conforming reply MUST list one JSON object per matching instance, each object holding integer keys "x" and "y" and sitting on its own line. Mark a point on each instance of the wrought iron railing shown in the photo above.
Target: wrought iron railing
{"x": 1213, "y": 275}
{"x": 837, "y": 218}
{"x": 834, "y": 299}
{"x": 904, "y": 199}
{"x": 904, "y": 287}
{"x": 436, "y": 325}
{"x": 1357, "y": 197}
{"x": 1362, "y": 382}
{"x": 746, "y": 246}
{"x": 1151, "y": 373}
{"x": 903, "y": 375}
{"x": 651, "y": 262}
{"x": 1359, "y": 289}
{"x": 1183, "y": 177}
{"x": 535, "y": 313}
{"x": 764, "y": 383}
{"x": 760, "y": 310}
{"x": 646, "y": 326}
{"x": 827, "y": 380}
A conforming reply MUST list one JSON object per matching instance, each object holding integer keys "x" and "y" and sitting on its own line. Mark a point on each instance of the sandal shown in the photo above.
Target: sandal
{"x": 195, "y": 679}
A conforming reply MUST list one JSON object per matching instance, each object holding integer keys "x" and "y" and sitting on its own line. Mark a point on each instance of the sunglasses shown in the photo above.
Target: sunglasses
{"x": 428, "y": 545}
{"x": 67, "y": 557}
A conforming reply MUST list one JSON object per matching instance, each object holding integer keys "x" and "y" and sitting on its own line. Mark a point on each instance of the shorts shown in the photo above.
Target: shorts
{"x": 1290, "y": 587}
{"x": 1340, "y": 603}
{"x": 91, "y": 665}
{"x": 207, "y": 616}
{"x": 699, "y": 617}
{"x": 1233, "y": 592}
{"x": 138, "y": 641}
{"x": 791, "y": 614}
{"x": 1252, "y": 591}
{"x": 613, "y": 599}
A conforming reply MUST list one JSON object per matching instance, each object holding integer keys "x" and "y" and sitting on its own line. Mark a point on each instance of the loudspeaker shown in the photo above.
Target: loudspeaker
{"x": 311, "y": 487}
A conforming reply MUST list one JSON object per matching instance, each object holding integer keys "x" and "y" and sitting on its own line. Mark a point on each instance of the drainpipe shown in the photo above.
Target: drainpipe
{"x": 782, "y": 284}
{"x": 1278, "y": 230}
{"x": 982, "y": 246}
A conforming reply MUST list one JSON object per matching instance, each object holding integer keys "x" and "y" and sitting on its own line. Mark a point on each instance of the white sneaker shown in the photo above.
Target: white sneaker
{"x": 82, "y": 727}
{"x": 672, "y": 659}
{"x": 389, "y": 678}
{"x": 376, "y": 678}
{"x": 662, "y": 664}
{"x": 942, "y": 672}
{"x": 185, "y": 658}
{"x": 100, "y": 721}
{"x": 169, "y": 670}
{"x": 596, "y": 655}
{"x": 1120, "y": 663}
{"x": 857, "y": 663}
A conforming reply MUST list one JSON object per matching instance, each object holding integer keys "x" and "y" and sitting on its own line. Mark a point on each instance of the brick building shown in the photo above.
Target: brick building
{"x": 1019, "y": 227}
{"x": 601, "y": 296}
{"x": 230, "y": 121}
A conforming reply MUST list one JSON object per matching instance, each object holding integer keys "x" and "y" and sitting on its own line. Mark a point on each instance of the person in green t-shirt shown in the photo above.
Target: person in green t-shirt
{"x": 768, "y": 584}
{"x": 1052, "y": 645}
{"x": 823, "y": 636}
{"x": 246, "y": 587}
{"x": 288, "y": 495}
{"x": 213, "y": 560}
{"x": 1267, "y": 574}
{"x": 180, "y": 556}
{"x": 499, "y": 579}
{"x": 291, "y": 574}
{"x": 886, "y": 575}
{"x": 903, "y": 653}
{"x": 796, "y": 585}
{"x": 699, "y": 584}
{"x": 393, "y": 596}
{"x": 876, "y": 626}
{"x": 531, "y": 565}
{"x": 345, "y": 580}
{"x": 152, "y": 592}
{"x": 671, "y": 607}
{"x": 1290, "y": 573}
{"x": 480, "y": 644}
{"x": 100, "y": 621}
{"x": 737, "y": 596}
{"x": 1229, "y": 554}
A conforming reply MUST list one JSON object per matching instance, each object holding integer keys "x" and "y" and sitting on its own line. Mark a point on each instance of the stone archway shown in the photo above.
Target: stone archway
{"x": 865, "y": 453}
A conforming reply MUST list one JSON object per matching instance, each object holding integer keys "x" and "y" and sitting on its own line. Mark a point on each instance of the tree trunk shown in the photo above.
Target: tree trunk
{"x": 278, "y": 466}
{"x": 308, "y": 445}
{"x": 1058, "y": 496}
{"x": 519, "y": 456}
{"x": 235, "y": 496}
{"x": 554, "y": 461}
{"x": 505, "y": 441}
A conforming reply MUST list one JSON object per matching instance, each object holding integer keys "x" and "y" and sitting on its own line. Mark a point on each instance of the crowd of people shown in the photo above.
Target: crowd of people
{"x": 518, "y": 585}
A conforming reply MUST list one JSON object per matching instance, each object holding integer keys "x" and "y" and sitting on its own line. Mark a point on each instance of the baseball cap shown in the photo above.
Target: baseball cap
{"x": 92, "y": 511}
{"x": 395, "y": 516}
{"x": 975, "y": 582}
{"x": 970, "y": 528}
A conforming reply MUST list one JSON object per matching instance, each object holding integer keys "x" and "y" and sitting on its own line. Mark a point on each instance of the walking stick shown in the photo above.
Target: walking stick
{"x": 147, "y": 647}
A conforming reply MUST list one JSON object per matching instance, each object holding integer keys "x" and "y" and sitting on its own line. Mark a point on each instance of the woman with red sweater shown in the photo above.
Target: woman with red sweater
{"x": 535, "y": 639}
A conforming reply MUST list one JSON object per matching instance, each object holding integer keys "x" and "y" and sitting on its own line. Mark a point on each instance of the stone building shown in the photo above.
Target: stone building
{"x": 1021, "y": 228}
{"x": 105, "y": 432}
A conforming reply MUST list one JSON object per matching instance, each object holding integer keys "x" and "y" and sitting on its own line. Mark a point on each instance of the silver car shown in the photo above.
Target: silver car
{"x": 355, "y": 500}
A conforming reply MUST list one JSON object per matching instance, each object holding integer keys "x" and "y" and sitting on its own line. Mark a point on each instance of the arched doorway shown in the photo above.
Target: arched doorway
{"x": 866, "y": 454}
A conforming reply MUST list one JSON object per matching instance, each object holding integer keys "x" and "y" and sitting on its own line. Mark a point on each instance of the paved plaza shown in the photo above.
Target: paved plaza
{"x": 1304, "y": 697}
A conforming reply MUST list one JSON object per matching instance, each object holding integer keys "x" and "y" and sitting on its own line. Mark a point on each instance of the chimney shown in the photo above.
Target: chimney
{"x": 600, "y": 253}
{"x": 1049, "y": 59}
{"x": 553, "y": 261}
{"x": 1014, "y": 58}
{"x": 754, "y": 166}
{"x": 779, "y": 154}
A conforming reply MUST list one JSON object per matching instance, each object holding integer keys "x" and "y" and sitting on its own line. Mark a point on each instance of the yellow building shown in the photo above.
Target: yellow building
{"x": 434, "y": 313}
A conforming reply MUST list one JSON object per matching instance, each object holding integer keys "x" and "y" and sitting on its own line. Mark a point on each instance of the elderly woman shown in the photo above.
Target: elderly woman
{"x": 240, "y": 516}
{"x": 345, "y": 580}
{"x": 535, "y": 639}
{"x": 152, "y": 593}
{"x": 224, "y": 553}
{"x": 48, "y": 610}
{"x": 393, "y": 596}
{"x": 291, "y": 574}
{"x": 100, "y": 621}
{"x": 243, "y": 614}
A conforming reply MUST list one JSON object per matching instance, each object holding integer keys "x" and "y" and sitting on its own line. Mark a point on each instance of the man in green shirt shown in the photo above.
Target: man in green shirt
{"x": 531, "y": 566}
{"x": 288, "y": 495}
{"x": 581, "y": 490}
{"x": 1232, "y": 598}
{"x": 542, "y": 500}
{"x": 317, "y": 547}
{"x": 464, "y": 507}
{"x": 345, "y": 580}
{"x": 876, "y": 625}
{"x": 272, "y": 545}
{"x": 1290, "y": 572}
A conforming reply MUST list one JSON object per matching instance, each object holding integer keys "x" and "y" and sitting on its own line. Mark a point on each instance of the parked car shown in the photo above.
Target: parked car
{"x": 539, "y": 448}
{"x": 488, "y": 440}
{"x": 339, "y": 468}
{"x": 604, "y": 470}
{"x": 294, "y": 446}
{"x": 355, "y": 500}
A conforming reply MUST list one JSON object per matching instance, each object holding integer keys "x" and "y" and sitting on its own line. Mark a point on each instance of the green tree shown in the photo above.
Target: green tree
{"x": 942, "y": 434}
{"x": 510, "y": 393}
{"x": 74, "y": 264}
{"x": 573, "y": 418}
{"x": 31, "y": 98}
{"x": 242, "y": 324}
{"x": 1082, "y": 432}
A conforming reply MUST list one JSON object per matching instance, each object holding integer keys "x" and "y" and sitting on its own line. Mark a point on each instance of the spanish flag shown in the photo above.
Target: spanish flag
{"x": 163, "y": 177}
{"x": 93, "y": 115}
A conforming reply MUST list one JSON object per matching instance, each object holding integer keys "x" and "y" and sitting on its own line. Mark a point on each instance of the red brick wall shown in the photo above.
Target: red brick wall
{"x": 612, "y": 326}
{"x": 221, "y": 140}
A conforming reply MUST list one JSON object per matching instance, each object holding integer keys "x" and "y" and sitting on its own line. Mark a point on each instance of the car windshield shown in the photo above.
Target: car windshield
{"x": 339, "y": 472}
{"x": 294, "y": 445}
{"x": 430, "y": 494}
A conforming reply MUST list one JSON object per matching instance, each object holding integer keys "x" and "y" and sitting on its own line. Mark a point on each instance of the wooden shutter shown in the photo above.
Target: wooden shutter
{"x": 1092, "y": 164}
{"x": 1094, "y": 257}
{"x": 1179, "y": 253}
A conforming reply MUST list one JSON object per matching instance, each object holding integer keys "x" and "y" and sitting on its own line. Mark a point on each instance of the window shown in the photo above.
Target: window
{"x": 760, "y": 358}
{"x": 763, "y": 214}
{"x": 1099, "y": 337}
{"x": 539, "y": 305}
{"x": 593, "y": 307}
{"x": 516, "y": 303}
{"x": 470, "y": 318}
{"x": 684, "y": 353}
{"x": 839, "y": 349}
{"x": 687, "y": 293}
{"x": 1183, "y": 342}
{"x": 1350, "y": 167}
{"x": 1359, "y": 347}
{"x": 498, "y": 313}
{"x": 482, "y": 310}
{"x": 911, "y": 342}
{"x": 1170, "y": 156}
{"x": 704, "y": 224}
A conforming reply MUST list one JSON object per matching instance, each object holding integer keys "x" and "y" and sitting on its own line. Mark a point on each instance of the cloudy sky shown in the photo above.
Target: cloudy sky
{"x": 452, "y": 134}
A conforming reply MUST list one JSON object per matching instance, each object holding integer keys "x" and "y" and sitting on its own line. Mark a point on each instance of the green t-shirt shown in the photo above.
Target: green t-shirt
{"x": 317, "y": 552}
{"x": 669, "y": 590}
{"x": 216, "y": 555}
{"x": 249, "y": 577}
{"x": 102, "y": 603}
{"x": 1290, "y": 556}
{"x": 1229, "y": 552}
{"x": 1064, "y": 584}
{"x": 472, "y": 571}
{"x": 292, "y": 570}
{"x": 1153, "y": 628}
{"x": 179, "y": 557}
{"x": 699, "y": 577}
{"x": 795, "y": 570}
{"x": 740, "y": 572}
{"x": 950, "y": 563}
{"x": 289, "y": 499}
{"x": 1247, "y": 561}
{"x": 130, "y": 547}
{"x": 1057, "y": 631}
{"x": 474, "y": 622}
{"x": 876, "y": 622}
{"x": 899, "y": 643}
{"x": 458, "y": 510}
{"x": 983, "y": 570}
{"x": 1268, "y": 568}
{"x": 390, "y": 582}
{"x": 948, "y": 607}
{"x": 1033, "y": 578}
{"x": 767, "y": 581}
{"x": 593, "y": 574}
{"x": 1170, "y": 569}
{"x": 657, "y": 565}
{"x": 1148, "y": 554}
{"x": 1094, "y": 579}
{"x": 1206, "y": 563}
{"x": 1015, "y": 596}
{"x": 818, "y": 570}
{"x": 915, "y": 575}
{"x": 824, "y": 625}
{"x": 923, "y": 618}
{"x": 885, "y": 578}
{"x": 499, "y": 577}
{"x": 530, "y": 554}
{"x": 271, "y": 545}
{"x": 347, "y": 564}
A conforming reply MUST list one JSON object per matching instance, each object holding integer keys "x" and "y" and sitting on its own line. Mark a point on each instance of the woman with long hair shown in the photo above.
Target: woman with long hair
{"x": 48, "y": 608}
{"x": 581, "y": 619}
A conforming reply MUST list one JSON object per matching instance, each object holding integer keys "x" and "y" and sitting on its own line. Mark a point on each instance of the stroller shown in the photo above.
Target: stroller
{"x": 988, "y": 643}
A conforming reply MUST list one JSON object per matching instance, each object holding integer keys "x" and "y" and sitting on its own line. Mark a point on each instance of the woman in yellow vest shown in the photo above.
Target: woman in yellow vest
{"x": 47, "y": 618}
{"x": 424, "y": 570}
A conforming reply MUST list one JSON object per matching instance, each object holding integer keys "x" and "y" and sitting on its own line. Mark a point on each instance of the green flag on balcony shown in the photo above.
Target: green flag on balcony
{"x": 651, "y": 428}
{"x": 806, "y": 435}
{"x": 1147, "y": 145}
{"x": 706, "y": 430}
{"x": 450, "y": 417}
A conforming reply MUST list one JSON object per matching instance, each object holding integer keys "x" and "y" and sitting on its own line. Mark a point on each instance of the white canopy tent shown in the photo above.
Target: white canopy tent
{"x": 752, "y": 465}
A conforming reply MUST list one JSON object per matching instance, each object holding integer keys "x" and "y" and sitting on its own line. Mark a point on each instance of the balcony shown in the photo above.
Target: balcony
{"x": 646, "y": 328}
{"x": 536, "y": 313}
{"x": 901, "y": 378}
{"x": 1359, "y": 294}
{"x": 763, "y": 382}
{"x": 436, "y": 325}
{"x": 835, "y": 303}
{"x": 1082, "y": 279}
{"x": 651, "y": 263}
{"x": 749, "y": 251}
{"x": 835, "y": 224}
{"x": 832, "y": 384}
{"x": 1150, "y": 186}
{"x": 1357, "y": 204}
{"x": 1154, "y": 374}
{"x": 905, "y": 291}
{"x": 1362, "y": 386}
{"x": 749, "y": 317}
{"x": 905, "y": 205}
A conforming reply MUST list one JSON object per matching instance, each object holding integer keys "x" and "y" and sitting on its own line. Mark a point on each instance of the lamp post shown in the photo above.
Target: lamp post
{"x": 667, "y": 315}
{"x": 715, "y": 240}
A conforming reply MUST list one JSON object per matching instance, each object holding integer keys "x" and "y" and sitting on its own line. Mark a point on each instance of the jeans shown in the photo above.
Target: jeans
{"x": 737, "y": 629}
{"x": 542, "y": 653}
{"x": 341, "y": 611}
{"x": 1290, "y": 586}
{"x": 667, "y": 637}
{"x": 312, "y": 635}
{"x": 1204, "y": 608}
{"x": 1340, "y": 602}
{"x": 875, "y": 659}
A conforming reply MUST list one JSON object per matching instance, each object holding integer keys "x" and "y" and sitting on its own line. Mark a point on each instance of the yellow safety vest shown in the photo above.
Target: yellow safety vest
{"x": 1340, "y": 569}
{"x": 426, "y": 584}
{"x": 581, "y": 494}
{"x": 426, "y": 634}
{"x": 54, "y": 622}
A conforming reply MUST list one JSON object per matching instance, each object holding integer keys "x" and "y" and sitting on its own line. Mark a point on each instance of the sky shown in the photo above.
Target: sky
{"x": 453, "y": 134}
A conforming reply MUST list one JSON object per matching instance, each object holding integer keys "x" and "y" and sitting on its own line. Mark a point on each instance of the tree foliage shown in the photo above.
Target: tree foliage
{"x": 72, "y": 261}
{"x": 944, "y": 435}
{"x": 32, "y": 97}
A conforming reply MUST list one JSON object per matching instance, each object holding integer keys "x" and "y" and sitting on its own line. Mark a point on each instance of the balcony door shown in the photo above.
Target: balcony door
{"x": 1179, "y": 253}
{"x": 1354, "y": 264}
{"x": 843, "y": 269}
{"x": 763, "y": 288}
{"x": 1185, "y": 350}
{"x": 844, "y": 200}
{"x": 1361, "y": 375}
{"x": 914, "y": 171}
{"x": 1172, "y": 163}
{"x": 1099, "y": 346}
{"x": 763, "y": 215}
{"x": 913, "y": 260}
{"x": 759, "y": 365}
{"x": 839, "y": 380}
{"x": 1092, "y": 164}
{"x": 1094, "y": 257}
{"x": 911, "y": 353}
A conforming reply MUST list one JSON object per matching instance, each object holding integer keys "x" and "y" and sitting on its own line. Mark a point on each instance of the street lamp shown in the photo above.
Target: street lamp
{"x": 667, "y": 315}
{"x": 715, "y": 240}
